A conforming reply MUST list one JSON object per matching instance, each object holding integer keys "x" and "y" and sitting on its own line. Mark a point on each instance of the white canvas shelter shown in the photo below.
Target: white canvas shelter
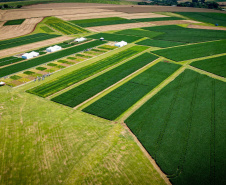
{"x": 35, "y": 54}
{"x": 30, "y": 55}
{"x": 121, "y": 44}
{"x": 2, "y": 83}
{"x": 53, "y": 48}
{"x": 80, "y": 39}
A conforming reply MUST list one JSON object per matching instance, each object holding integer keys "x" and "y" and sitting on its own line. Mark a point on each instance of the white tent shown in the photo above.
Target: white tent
{"x": 121, "y": 44}
{"x": 2, "y": 83}
{"x": 35, "y": 54}
{"x": 30, "y": 55}
{"x": 80, "y": 39}
{"x": 53, "y": 48}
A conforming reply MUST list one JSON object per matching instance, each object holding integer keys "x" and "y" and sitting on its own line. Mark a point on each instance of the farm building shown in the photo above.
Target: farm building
{"x": 80, "y": 39}
{"x": 121, "y": 44}
{"x": 53, "y": 48}
{"x": 30, "y": 55}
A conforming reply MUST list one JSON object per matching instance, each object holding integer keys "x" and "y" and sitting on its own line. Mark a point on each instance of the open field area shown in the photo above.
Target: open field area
{"x": 159, "y": 43}
{"x": 182, "y": 128}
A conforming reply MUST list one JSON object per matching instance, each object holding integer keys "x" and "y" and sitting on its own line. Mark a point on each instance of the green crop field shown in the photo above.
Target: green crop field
{"x": 14, "y": 22}
{"x": 73, "y": 77}
{"x": 190, "y": 51}
{"x": 87, "y": 90}
{"x": 119, "y": 100}
{"x": 46, "y": 29}
{"x": 186, "y": 35}
{"x": 115, "y": 37}
{"x": 9, "y": 60}
{"x": 183, "y": 129}
{"x": 215, "y": 65}
{"x": 5, "y": 44}
{"x": 101, "y": 21}
{"x": 159, "y": 43}
{"x": 158, "y": 19}
{"x": 207, "y": 17}
{"x": 46, "y": 58}
{"x": 64, "y": 27}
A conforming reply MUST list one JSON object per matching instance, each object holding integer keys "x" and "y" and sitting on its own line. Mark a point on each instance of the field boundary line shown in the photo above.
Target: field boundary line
{"x": 206, "y": 73}
{"x": 149, "y": 95}
{"x": 149, "y": 157}
{"x": 153, "y": 62}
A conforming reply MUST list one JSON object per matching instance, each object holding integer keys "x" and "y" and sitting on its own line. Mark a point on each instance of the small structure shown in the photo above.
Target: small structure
{"x": 80, "y": 39}
{"x": 35, "y": 54}
{"x": 102, "y": 38}
{"x": 53, "y": 48}
{"x": 2, "y": 83}
{"x": 30, "y": 55}
{"x": 121, "y": 44}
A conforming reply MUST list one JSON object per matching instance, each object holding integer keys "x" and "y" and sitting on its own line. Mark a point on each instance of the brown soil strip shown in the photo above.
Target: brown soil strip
{"x": 159, "y": 23}
{"x": 206, "y": 27}
{"x": 142, "y": 15}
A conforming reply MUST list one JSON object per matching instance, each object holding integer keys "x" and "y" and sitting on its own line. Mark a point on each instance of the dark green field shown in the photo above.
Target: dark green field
{"x": 213, "y": 65}
{"x": 14, "y": 22}
{"x": 183, "y": 128}
{"x": 159, "y": 43}
{"x": 158, "y": 19}
{"x": 190, "y": 51}
{"x": 87, "y": 90}
{"x": 9, "y": 60}
{"x": 119, "y": 100}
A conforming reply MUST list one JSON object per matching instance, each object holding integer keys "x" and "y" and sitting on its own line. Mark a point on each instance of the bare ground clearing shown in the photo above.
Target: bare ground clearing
{"x": 15, "y": 50}
{"x": 206, "y": 27}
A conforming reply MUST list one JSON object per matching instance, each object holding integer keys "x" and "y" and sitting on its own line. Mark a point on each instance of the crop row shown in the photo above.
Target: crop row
{"x": 25, "y": 40}
{"x": 190, "y": 51}
{"x": 158, "y": 19}
{"x": 73, "y": 77}
{"x": 119, "y": 100}
{"x": 9, "y": 60}
{"x": 46, "y": 58}
{"x": 85, "y": 91}
{"x": 159, "y": 43}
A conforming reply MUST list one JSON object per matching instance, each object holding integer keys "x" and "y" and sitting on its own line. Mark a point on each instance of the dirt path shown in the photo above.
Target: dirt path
{"x": 206, "y": 27}
{"x": 159, "y": 23}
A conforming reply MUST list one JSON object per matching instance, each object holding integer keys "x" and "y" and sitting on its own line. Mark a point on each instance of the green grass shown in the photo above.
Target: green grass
{"x": 193, "y": 51}
{"x": 5, "y": 44}
{"x": 29, "y": 72}
{"x": 9, "y": 60}
{"x": 14, "y": 22}
{"x": 186, "y": 35}
{"x": 41, "y": 68}
{"x": 75, "y": 76}
{"x": 122, "y": 98}
{"x": 115, "y": 37}
{"x": 46, "y": 29}
{"x": 158, "y": 19}
{"x": 159, "y": 43}
{"x": 44, "y": 143}
{"x": 101, "y": 21}
{"x": 51, "y": 64}
{"x": 207, "y": 17}
{"x": 46, "y": 58}
{"x": 15, "y": 77}
{"x": 87, "y": 90}
{"x": 107, "y": 47}
{"x": 182, "y": 127}
{"x": 215, "y": 65}
{"x": 84, "y": 56}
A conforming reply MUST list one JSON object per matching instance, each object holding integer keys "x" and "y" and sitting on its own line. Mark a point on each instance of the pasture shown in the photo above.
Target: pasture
{"x": 119, "y": 100}
{"x": 182, "y": 129}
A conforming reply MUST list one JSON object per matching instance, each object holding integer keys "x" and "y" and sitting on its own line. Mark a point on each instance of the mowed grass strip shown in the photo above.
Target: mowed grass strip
{"x": 159, "y": 43}
{"x": 215, "y": 65}
{"x": 193, "y": 51}
{"x": 14, "y": 22}
{"x": 73, "y": 77}
{"x": 46, "y": 58}
{"x": 183, "y": 129}
{"x": 5, "y": 44}
{"x": 9, "y": 60}
{"x": 115, "y": 37}
{"x": 119, "y": 100}
{"x": 102, "y": 21}
{"x": 158, "y": 19}
{"x": 87, "y": 90}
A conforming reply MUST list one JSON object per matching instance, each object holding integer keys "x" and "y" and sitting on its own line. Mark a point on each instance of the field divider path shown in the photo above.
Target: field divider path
{"x": 115, "y": 84}
{"x": 153, "y": 92}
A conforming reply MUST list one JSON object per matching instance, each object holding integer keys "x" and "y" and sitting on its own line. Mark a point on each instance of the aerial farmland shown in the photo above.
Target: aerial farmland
{"x": 111, "y": 92}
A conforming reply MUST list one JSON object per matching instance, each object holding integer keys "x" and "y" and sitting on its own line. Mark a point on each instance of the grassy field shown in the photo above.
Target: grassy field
{"x": 182, "y": 127}
{"x": 25, "y": 40}
{"x": 87, "y": 90}
{"x": 9, "y": 60}
{"x": 101, "y": 21}
{"x": 115, "y": 37}
{"x": 186, "y": 35}
{"x": 46, "y": 58}
{"x": 190, "y": 51}
{"x": 73, "y": 77}
{"x": 207, "y": 17}
{"x": 159, "y": 43}
{"x": 215, "y": 65}
{"x": 14, "y": 22}
{"x": 158, "y": 19}
{"x": 45, "y": 143}
{"x": 119, "y": 100}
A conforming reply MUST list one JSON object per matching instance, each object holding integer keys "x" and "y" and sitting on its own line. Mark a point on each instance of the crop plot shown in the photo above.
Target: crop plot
{"x": 9, "y": 60}
{"x": 159, "y": 43}
{"x": 190, "y": 51}
{"x": 115, "y": 37}
{"x": 158, "y": 19}
{"x": 46, "y": 58}
{"x": 182, "y": 129}
{"x": 119, "y": 100}
{"x": 73, "y": 77}
{"x": 64, "y": 27}
{"x": 87, "y": 90}
{"x": 25, "y": 40}
{"x": 215, "y": 65}
{"x": 102, "y": 21}
{"x": 14, "y": 22}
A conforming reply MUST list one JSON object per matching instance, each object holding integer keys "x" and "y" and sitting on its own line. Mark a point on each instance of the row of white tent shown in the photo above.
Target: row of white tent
{"x": 121, "y": 44}
{"x": 30, "y": 55}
